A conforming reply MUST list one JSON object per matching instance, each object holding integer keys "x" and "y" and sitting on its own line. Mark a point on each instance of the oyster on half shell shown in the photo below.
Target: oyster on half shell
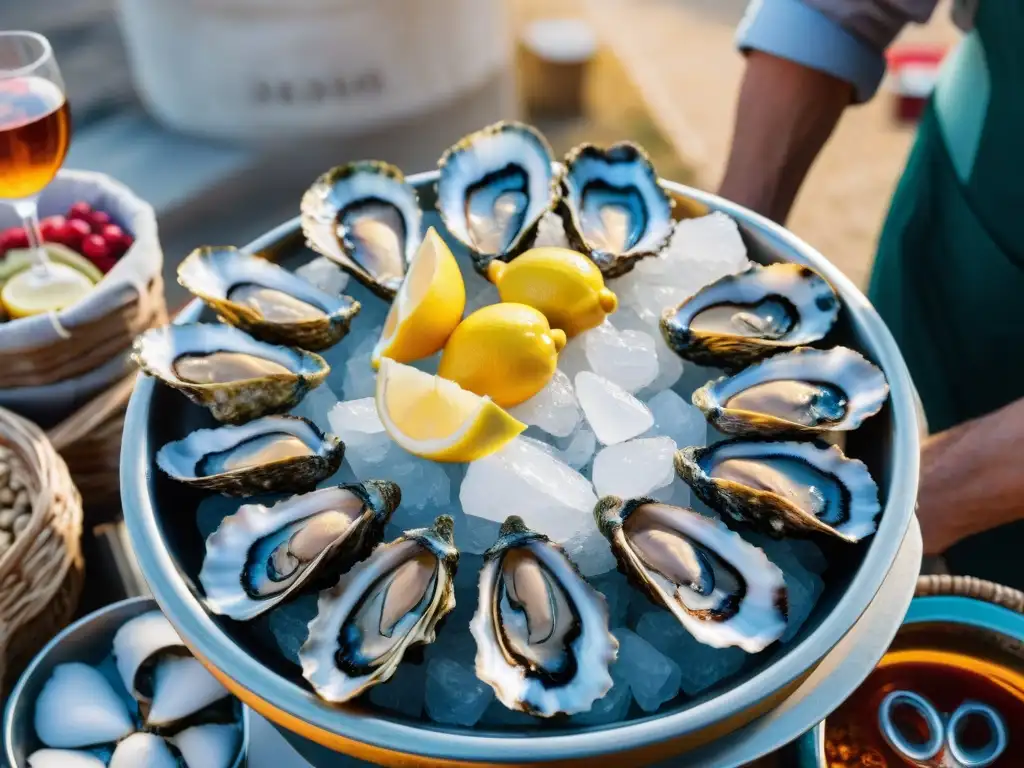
{"x": 269, "y": 302}
{"x": 541, "y": 631}
{"x": 261, "y": 555}
{"x": 378, "y": 610}
{"x": 743, "y": 318}
{"x": 275, "y": 453}
{"x": 494, "y": 187}
{"x": 783, "y": 487}
{"x": 613, "y": 207}
{"x": 226, "y": 370}
{"x": 723, "y": 590}
{"x": 803, "y": 392}
{"x": 366, "y": 217}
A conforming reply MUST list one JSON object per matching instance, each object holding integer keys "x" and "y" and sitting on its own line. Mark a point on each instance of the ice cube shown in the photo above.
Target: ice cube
{"x": 360, "y": 378}
{"x": 635, "y": 468}
{"x": 404, "y": 692}
{"x": 355, "y": 419}
{"x": 677, "y": 494}
{"x": 653, "y": 677}
{"x": 521, "y": 479}
{"x": 613, "y": 413}
{"x": 316, "y": 406}
{"x": 590, "y": 551}
{"x": 617, "y": 592}
{"x": 676, "y": 418}
{"x": 628, "y": 358}
{"x": 325, "y": 275}
{"x": 803, "y": 585}
{"x": 573, "y": 358}
{"x": 670, "y": 366}
{"x": 289, "y": 622}
{"x": 498, "y": 714}
{"x": 580, "y": 446}
{"x": 710, "y": 247}
{"x": 554, "y": 409}
{"x": 611, "y": 708}
{"x": 454, "y": 694}
{"x": 701, "y": 666}
{"x": 551, "y": 231}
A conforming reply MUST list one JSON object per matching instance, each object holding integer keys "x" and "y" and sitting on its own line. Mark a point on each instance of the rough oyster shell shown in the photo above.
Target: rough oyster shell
{"x": 263, "y": 299}
{"x": 723, "y": 590}
{"x": 803, "y": 392}
{"x": 742, "y": 318}
{"x": 613, "y": 207}
{"x": 367, "y": 218}
{"x": 495, "y": 185}
{"x": 243, "y": 573}
{"x": 254, "y": 458}
{"x": 543, "y": 645}
{"x": 782, "y": 487}
{"x": 237, "y": 377}
{"x": 398, "y": 594}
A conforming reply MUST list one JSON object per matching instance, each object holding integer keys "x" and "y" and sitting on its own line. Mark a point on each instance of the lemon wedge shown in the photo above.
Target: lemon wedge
{"x": 34, "y": 291}
{"x": 437, "y": 419}
{"x": 426, "y": 308}
{"x": 566, "y": 286}
{"x": 507, "y": 352}
{"x": 18, "y": 259}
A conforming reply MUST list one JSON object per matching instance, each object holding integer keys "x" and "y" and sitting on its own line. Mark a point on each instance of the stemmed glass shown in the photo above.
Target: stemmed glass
{"x": 35, "y": 130}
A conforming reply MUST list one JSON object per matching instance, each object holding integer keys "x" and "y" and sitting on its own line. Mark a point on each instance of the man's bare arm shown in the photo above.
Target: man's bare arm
{"x": 784, "y": 116}
{"x": 972, "y": 478}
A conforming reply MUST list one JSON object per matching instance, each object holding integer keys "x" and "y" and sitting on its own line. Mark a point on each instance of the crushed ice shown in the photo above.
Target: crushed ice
{"x": 615, "y": 434}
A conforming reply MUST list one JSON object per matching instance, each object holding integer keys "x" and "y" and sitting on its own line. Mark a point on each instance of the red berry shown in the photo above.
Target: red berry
{"x": 51, "y": 228}
{"x": 112, "y": 233}
{"x": 75, "y": 230}
{"x": 106, "y": 264}
{"x": 15, "y": 237}
{"x": 99, "y": 219}
{"x": 95, "y": 248}
{"x": 80, "y": 210}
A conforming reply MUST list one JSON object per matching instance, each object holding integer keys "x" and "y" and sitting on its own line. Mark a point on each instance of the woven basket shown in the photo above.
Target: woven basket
{"x": 41, "y": 574}
{"x": 974, "y": 588}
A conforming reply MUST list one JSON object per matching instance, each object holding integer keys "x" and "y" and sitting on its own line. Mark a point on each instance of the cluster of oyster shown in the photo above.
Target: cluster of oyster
{"x": 171, "y": 712}
{"x": 494, "y": 187}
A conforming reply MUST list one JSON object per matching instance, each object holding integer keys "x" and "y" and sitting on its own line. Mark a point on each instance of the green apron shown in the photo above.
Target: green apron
{"x": 949, "y": 273}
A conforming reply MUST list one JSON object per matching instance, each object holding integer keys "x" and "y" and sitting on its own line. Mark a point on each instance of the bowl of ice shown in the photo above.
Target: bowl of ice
{"x": 670, "y": 692}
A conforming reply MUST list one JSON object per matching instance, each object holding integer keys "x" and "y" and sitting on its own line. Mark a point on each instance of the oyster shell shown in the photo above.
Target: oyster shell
{"x": 494, "y": 187}
{"x": 265, "y": 300}
{"x": 275, "y": 453}
{"x": 382, "y": 606}
{"x": 613, "y": 207}
{"x": 261, "y": 555}
{"x": 367, "y": 218}
{"x": 723, "y": 590}
{"x": 218, "y": 366}
{"x": 742, "y": 318}
{"x": 541, "y": 631}
{"x": 803, "y": 392}
{"x": 782, "y": 487}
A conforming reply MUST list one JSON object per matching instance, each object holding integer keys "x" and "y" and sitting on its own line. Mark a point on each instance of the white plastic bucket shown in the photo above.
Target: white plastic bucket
{"x": 262, "y": 69}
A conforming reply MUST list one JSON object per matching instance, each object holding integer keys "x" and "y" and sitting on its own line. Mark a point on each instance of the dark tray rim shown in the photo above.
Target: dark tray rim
{"x": 290, "y": 706}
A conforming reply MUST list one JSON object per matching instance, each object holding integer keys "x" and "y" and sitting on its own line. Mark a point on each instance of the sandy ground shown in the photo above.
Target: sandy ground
{"x": 680, "y": 57}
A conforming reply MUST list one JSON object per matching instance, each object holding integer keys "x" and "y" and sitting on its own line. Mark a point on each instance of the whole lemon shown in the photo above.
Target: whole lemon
{"x": 505, "y": 351}
{"x": 566, "y": 286}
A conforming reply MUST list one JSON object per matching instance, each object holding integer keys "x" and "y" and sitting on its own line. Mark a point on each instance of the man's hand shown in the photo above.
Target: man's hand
{"x": 971, "y": 478}
{"x": 784, "y": 116}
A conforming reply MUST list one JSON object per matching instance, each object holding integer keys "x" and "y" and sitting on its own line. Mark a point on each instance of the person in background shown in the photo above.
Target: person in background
{"x": 948, "y": 276}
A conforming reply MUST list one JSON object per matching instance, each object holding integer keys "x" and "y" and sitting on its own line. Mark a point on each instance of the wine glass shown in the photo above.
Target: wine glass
{"x": 35, "y": 130}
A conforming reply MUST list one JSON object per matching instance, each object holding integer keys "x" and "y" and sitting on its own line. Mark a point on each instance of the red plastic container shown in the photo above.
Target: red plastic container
{"x": 913, "y": 72}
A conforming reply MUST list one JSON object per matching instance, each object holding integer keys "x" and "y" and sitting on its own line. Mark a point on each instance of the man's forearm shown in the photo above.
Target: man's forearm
{"x": 971, "y": 478}
{"x": 784, "y": 116}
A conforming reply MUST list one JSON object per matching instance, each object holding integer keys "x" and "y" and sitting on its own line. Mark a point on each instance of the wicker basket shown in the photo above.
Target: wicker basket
{"x": 41, "y": 574}
{"x": 974, "y": 588}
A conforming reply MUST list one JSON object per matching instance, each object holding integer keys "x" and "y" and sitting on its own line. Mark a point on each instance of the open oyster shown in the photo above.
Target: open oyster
{"x": 784, "y": 486}
{"x": 743, "y": 318}
{"x": 494, "y": 187}
{"x": 160, "y": 673}
{"x": 541, "y": 631}
{"x": 803, "y": 392}
{"x": 275, "y": 453}
{"x": 613, "y": 207}
{"x": 723, "y": 590}
{"x": 237, "y": 377}
{"x": 261, "y": 555}
{"x": 367, "y": 218}
{"x": 269, "y": 302}
{"x": 382, "y": 606}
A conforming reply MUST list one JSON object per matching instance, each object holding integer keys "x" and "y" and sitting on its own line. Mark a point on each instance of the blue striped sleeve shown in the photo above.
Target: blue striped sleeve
{"x": 793, "y": 30}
